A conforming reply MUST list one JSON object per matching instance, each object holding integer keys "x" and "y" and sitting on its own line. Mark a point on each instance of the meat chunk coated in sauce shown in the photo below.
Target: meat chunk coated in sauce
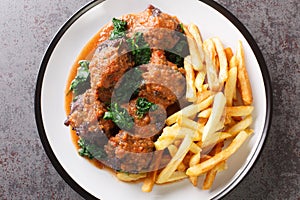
{"x": 148, "y": 125}
{"x": 158, "y": 27}
{"x": 110, "y": 61}
{"x": 129, "y": 153}
{"x": 163, "y": 85}
{"x": 87, "y": 116}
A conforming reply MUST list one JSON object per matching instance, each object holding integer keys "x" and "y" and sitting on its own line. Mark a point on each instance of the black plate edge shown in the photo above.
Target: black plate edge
{"x": 37, "y": 102}
{"x": 268, "y": 90}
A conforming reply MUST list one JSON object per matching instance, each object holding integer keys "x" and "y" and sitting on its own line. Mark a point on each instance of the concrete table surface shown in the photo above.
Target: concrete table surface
{"x": 27, "y": 27}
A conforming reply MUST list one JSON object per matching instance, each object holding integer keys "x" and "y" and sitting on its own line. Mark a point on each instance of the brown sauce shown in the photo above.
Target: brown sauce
{"x": 89, "y": 49}
{"x": 85, "y": 54}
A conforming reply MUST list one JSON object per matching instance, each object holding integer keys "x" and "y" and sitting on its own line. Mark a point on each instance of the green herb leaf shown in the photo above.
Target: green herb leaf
{"x": 181, "y": 28}
{"x": 140, "y": 49}
{"x": 144, "y": 106}
{"x": 119, "y": 30}
{"x": 90, "y": 151}
{"x": 129, "y": 86}
{"x": 119, "y": 116}
{"x": 180, "y": 50}
{"x": 81, "y": 81}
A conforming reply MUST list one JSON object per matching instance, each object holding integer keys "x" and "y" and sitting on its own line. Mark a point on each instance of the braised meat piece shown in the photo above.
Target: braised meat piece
{"x": 158, "y": 57}
{"x": 163, "y": 85}
{"x": 87, "y": 116}
{"x": 109, "y": 63}
{"x": 129, "y": 153}
{"x": 158, "y": 27}
{"x": 115, "y": 81}
{"x": 149, "y": 124}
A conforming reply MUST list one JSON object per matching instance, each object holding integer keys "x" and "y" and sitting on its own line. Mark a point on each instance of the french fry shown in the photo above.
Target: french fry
{"x": 169, "y": 135}
{"x": 149, "y": 182}
{"x": 195, "y": 32}
{"x": 230, "y": 85}
{"x": 214, "y": 121}
{"x": 151, "y": 176}
{"x": 205, "y": 113}
{"x": 194, "y": 180}
{"x": 201, "y": 96}
{"x": 188, "y": 123}
{"x": 182, "y": 131}
{"x": 195, "y": 159}
{"x": 205, "y": 158}
{"x": 239, "y": 110}
{"x": 128, "y": 177}
{"x": 219, "y": 157}
{"x": 211, "y": 68}
{"x": 176, "y": 176}
{"x": 190, "y": 80}
{"x": 216, "y": 138}
{"x": 190, "y": 110}
{"x": 194, "y": 51}
{"x": 195, "y": 148}
{"x": 173, "y": 150}
{"x": 242, "y": 125}
{"x": 229, "y": 111}
{"x": 222, "y": 166}
{"x": 194, "y": 134}
{"x": 166, "y": 173}
{"x": 181, "y": 167}
{"x": 229, "y": 54}
{"x": 211, "y": 174}
{"x": 223, "y": 63}
{"x": 199, "y": 80}
{"x": 249, "y": 131}
{"x": 243, "y": 79}
{"x": 164, "y": 141}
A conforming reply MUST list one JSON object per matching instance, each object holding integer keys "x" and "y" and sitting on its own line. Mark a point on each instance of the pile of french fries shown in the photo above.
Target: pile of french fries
{"x": 218, "y": 88}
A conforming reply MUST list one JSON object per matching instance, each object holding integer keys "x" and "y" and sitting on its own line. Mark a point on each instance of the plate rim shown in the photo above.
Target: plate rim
{"x": 228, "y": 15}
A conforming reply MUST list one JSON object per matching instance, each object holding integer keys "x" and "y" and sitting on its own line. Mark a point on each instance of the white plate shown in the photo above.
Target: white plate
{"x": 86, "y": 179}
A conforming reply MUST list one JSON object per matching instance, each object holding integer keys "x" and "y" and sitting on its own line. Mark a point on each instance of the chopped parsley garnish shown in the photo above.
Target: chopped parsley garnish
{"x": 140, "y": 48}
{"x": 81, "y": 81}
{"x": 119, "y": 116}
{"x": 180, "y": 28}
{"x": 144, "y": 106}
{"x": 119, "y": 30}
{"x": 128, "y": 86}
{"x": 180, "y": 50}
{"x": 90, "y": 150}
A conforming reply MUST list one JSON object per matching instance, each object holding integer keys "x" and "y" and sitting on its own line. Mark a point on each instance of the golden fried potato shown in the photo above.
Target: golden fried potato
{"x": 219, "y": 157}
{"x": 243, "y": 79}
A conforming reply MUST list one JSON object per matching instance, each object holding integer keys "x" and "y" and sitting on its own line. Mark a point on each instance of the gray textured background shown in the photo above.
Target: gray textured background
{"x": 26, "y": 28}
